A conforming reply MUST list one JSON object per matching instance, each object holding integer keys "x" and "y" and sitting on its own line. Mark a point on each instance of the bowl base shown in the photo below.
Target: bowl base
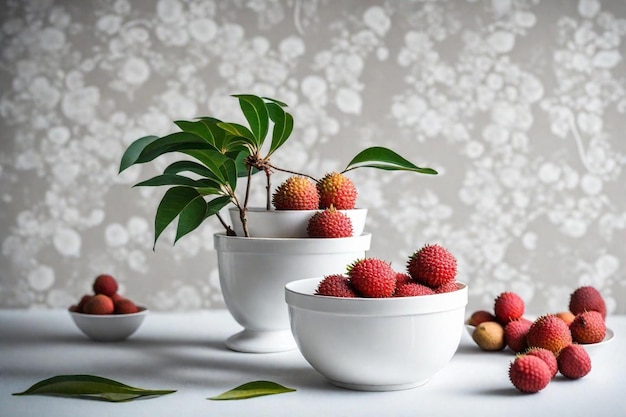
{"x": 256, "y": 341}
{"x": 368, "y": 387}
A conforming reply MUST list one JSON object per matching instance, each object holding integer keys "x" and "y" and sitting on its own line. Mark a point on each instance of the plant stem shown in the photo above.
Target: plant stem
{"x": 229, "y": 230}
{"x": 267, "y": 190}
{"x": 293, "y": 172}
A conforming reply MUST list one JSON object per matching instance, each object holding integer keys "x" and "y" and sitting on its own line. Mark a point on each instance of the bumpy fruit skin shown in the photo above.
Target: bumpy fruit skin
{"x": 585, "y": 299}
{"x": 489, "y": 336}
{"x": 105, "y": 284}
{"x": 547, "y": 356}
{"x": 99, "y": 304}
{"x": 529, "y": 374}
{"x": 549, "y": 332}
{"x": 480, "y": 316}
{"x": 588, "y": 327}
{"x": 447, "y": 287}
{"x": 372, "y": 277}
{"x": 508, "y": 306}
{"x": 412, "y": 289}
{"x": 335, "y": 285}
{"x": 296, "y": 193}
{"x": 574, "y": 361}
{"x": 336, "y": 190}
{"x": 402, "y": 278}
{"x": 329, "y": 223}
{"x": 432, "y": 265}
{"x": 124, "y": 306}
{"x": 515, "y": 334}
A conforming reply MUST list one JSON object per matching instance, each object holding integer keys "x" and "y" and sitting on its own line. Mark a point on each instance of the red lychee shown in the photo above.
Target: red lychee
{"x": 335, "y": 285}
{"x": 337, "y": 190}
{"x": 402, "y": 278}
{"x": 508, "y": 306}
{"x": 515, "y": 334}
{"x": 99, "y": 304}
{"x": 329, "y": 223}
{"x": 549, "y": 332}
{"x": 547, "y": 356}
{"x": 83, "y": 300}
{"x": 480, "y": 316}
{"x": 529, "y": 373}
{"x": 585, "y": 299}
{"x": 447, "y": 287}
{"x": 432, "y": 265}
{"x": 412, "y": 289}
{"x": 588, "y": 327}
{"x": 372, "y": 277}
{"x": 124, "y": 306}
{"x": 105, "y": 284}
{"x": 296, "y": 193}
{"x": 574, "y": 361}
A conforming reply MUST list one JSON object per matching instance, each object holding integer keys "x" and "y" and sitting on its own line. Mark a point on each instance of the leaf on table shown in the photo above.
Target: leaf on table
{"x": 253, "y": 389}
{"x": 90, "y": 386}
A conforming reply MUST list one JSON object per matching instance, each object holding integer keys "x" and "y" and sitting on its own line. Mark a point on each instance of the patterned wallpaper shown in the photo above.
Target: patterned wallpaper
{"x": 519, "y": 104}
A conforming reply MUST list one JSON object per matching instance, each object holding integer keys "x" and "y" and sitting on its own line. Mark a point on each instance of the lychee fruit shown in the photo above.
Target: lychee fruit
{"x": 296, "y": 193}
{"x": 508, "y": 306}
{"x": 529, "y": 374}
{"x": 480, "y": 316}
{"x": 574, "y": 361}
{"x": 489, "y": 336}
{"x": 329, "y": 223}
{"x": 99, "y": 304}
{"x": 515, "y": 334}
{"x": 335, "y": 285}
{"x": 432, "y": 265}
{"x": 588, "y": 327}
{"x": 587, "y": 298}
{"x": 549, "y": 332}
{"x": 74, "y": 308}
{"x": 337, "y": 190}
{"x": 402, "y": 278}
{"x": 566, "y": 316}
{"x": 547, "y": 356}
{"x": 372, "y": 277}
{"x": 447, "y": 287}
{"x": 412, "y": 289}
{"x": 124, "y": 306}
{"x": 105, "y": 284}
{"x": 83, "y": 300}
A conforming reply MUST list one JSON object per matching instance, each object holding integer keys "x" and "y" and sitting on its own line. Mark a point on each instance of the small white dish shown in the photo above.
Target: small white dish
{"x": 287, "y": 223}
{"x": 109, "y": 327}
{"x": 376, "y": 344}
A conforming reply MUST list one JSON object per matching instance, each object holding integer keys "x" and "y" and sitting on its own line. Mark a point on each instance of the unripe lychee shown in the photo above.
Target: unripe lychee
{"x": 529, "y": 374}
{"x": 588, "y": 327}
{"x": 480, "y": 316}
{"x": 99, "y": 304}
{"x": 585, "y": 299}
{"x": 335, "y": 285}
{"x": 549, "y": 332}
{"x": 574, "y": 361}
{"x": 337, "y": 190}
{"x": 372, "y": 277}
{"x": 432, "y": 265}
{"x": 412, "y": 289}
{"x": 124, "y": 306}
{"x": 508, "y": 306}
{"x": 105, "y": 284}
{"x": 329, "y": 223}
{"x": 296, "y": 193}
{"x": 489, "y": 336}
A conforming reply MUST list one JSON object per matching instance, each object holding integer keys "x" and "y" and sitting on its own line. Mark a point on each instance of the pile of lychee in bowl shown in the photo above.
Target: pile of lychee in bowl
{"x": 377, "y": 329}
{"x": 106, "y": 316}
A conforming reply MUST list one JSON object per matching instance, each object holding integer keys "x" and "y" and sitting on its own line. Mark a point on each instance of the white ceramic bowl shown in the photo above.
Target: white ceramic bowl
{"x": 376, "y": 344}
{"x": 110, "y": 327}
{"x": 287, "y": 223}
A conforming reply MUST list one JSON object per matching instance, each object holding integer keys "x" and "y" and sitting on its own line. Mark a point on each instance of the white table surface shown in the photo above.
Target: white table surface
{"x": 185, "y": 351}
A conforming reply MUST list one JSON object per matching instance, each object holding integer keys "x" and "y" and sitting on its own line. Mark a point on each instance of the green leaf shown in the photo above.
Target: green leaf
{"x": 198, "y": 128}
{"x": 215, "y": 205}
{"x": 188, "y": 166}
{"x": 219, "y": 134}
{"x": 252, "y": 389}
{"x": 383, "y": 158}
{"x": 175, "y": 142}
{"x": 191, "y": 216}
{"x": 229, "y": 170}
{"x": 172, "y": 179}
{"x": 213, "y": 160}
{"x": 254, "y": 110}
{"x": 280, "y": 103}
{"x": 172, "y": 204}
{"x": 283, "y": 126}
{"x": 134, "y": 150}
{"x": 90, "y": 386}
{"x": 238, "y": 130}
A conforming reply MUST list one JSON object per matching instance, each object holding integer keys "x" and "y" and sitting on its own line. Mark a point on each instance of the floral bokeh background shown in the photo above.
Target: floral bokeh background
{"x": 519, "y": 104}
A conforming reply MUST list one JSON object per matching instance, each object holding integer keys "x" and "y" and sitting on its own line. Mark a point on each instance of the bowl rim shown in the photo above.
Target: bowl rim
{"x": 299, "y": 294}
{"x": 142, "y": 311}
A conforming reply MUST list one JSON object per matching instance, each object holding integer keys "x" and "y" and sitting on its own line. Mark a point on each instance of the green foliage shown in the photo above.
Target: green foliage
{"x": 253, "y": 389}
{"x": 222, "y": 152}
